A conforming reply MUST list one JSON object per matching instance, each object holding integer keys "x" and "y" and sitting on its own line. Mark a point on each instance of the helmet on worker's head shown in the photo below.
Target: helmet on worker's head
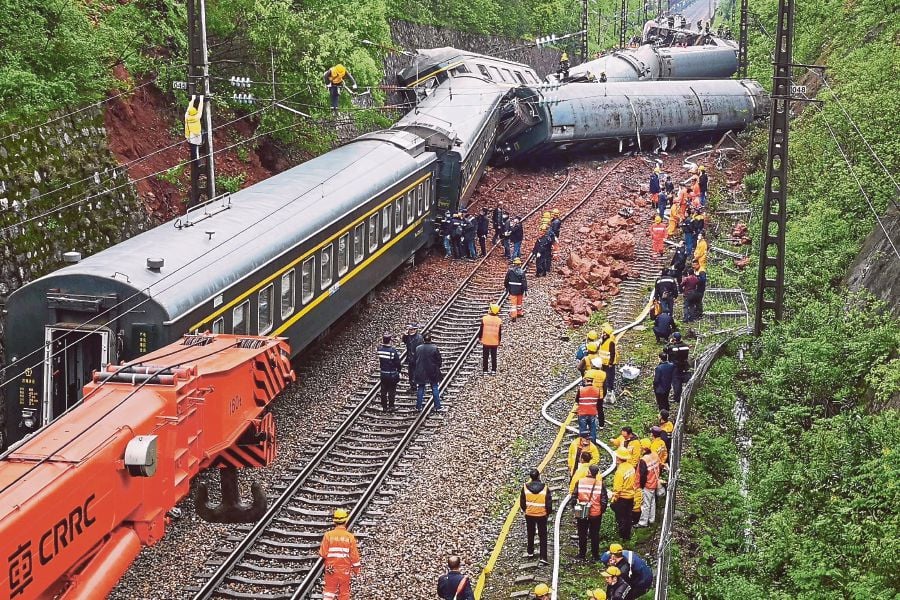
{"x": 593, "y": 335}
{"x": 546, "y": 214}
{"x": 494, "y": 308}
{"x": 341, "y": 516}
{"x": 593, "y": 346}
{"x": 702, "y": 168}
{"x": 555, "y": 212}
{"x": 657, "y": 219}
{"x": 645, "y": 444}
{"x": 607, "y": 328}
{"x": 596, "y": 594}
{"x": 517, "y": 261}
{"x": 611, "y": 572}
{"x": 541, "y": 589}
{"x": 623, "y": 454}
{"x": 615, "y": 548}
{"x": 657, "y": 170}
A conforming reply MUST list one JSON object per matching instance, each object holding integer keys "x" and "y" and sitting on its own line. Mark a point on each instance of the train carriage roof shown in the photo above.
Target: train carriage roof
{"x": 264, "y": 220}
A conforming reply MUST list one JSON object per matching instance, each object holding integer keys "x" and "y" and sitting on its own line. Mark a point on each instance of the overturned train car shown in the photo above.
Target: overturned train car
{"x": 582, "y": 117}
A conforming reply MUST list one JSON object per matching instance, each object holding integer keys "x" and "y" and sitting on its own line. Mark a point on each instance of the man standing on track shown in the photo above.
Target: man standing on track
{"x": 535, "y": 500}
{"x": 489, "y": 334}
{"x": 610, "y": 359}
{"x": 678, "y": 353}
{"x": 454, "y": 585}
{"x": 623, "y": 493}
{"x": 555, "y": 224}
{"x": 482, "y": 227}
{"x": 389, "y": 365}
{"x": 654, "y": 186}
{"x": 428, "y": 372}
{"x": 516, "y": 286}
{"x": 543, "y": 247}
{"x": 587, "y": 399}
{"x": 658, "y": 235}
{"x": 412, "y": 340}
{"x": 591, "y": 492}
{"x": 341, "y": 556}
{"x": 703, "y": 181}
{"x": 516, "y": 235}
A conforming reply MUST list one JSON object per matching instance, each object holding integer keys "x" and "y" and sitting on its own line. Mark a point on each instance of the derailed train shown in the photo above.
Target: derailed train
{"x": 290, "y": 255}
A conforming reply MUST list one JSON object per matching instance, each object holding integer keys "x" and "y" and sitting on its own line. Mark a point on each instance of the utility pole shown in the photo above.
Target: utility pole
{"x": 203, "y": 171}
{"x": 770, "y": 279}
{"x": 623, "y": 21}
{"x": 742, "y": 40}
{"x": 584, "y": 30}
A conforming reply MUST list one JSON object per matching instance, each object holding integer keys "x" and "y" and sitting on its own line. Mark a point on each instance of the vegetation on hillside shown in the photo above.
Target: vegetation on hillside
{"x": 822, "y": 386}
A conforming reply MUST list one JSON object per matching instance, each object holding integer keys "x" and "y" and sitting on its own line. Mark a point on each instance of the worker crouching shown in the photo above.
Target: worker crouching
{"x": 341, "y": 557}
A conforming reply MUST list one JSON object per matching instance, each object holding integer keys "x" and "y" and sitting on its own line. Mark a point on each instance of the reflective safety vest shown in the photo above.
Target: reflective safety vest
{"x": 652, "y": 462}
{"x": 575, "y": 450}
{"x": 338, "y": 72}
{"x": 588, "y": 396}
{"x": 659, "y": 446}
{"x": 535, "y": 504}
{"x": 597, "y": 377}
{"x": 606, "y": 351}
{"x": 658, "y": 231}
{"x": 591, "y": 490}
{"x": 339, "y": 550}
{"x": 667, "y": 426}
{"x": 490, "y": 335}
{"x": 623, "y": 482}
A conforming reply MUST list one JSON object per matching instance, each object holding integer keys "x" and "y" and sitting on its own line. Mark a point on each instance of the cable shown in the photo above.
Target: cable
{"x": 859, "y": 184}
{"x": 853, "y": 124}
{"x": 80, "y": 110}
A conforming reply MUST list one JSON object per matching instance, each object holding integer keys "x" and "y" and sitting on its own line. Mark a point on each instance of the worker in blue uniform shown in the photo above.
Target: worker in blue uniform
{"x": 634, "y": 569}
{"x": 482, "y": 228}
{"x": 389, "y": 366}
{"x": 665, "y": 290}
{"x": 412, "y": 340}
{"x": 454, "y": 585}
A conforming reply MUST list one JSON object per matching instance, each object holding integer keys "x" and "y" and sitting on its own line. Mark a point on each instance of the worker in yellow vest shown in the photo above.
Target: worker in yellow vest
{"x": 334, "y": 79}
{"x": 610, "y": 358}
{"x": 622, "y": 499}
{"x": 193, "y": 125}
{"x": 489, "y": 335}
{"x": 537, "y": 503}
{"x": 581, "y": 444}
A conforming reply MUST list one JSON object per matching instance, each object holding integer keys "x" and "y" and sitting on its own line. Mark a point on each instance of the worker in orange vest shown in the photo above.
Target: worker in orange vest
{"x": 537, "y": 503}
{"x": 591, "y": 493}
{"x": 334, "y": 79}
{"x": 658, "y": 234}
{"x": 587, "y": 401}
{"x": 648, "y": 481}
{"x": 489, "y": 335}
{"x": 341, "y": 556}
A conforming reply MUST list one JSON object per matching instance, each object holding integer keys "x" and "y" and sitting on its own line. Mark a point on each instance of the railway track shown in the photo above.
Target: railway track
{"x": 277, "y": 557}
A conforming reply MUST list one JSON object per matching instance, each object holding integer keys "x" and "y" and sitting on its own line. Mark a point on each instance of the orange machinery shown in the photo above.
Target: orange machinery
{"x": 79, "y": 499}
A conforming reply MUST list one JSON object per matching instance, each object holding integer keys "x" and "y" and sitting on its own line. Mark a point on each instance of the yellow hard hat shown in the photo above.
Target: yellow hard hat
{"x": 341, "y": 516}
{"x": 494, "y": 308}
{"x": 555, "y": 211}
{"x": 611, "y": 572}
{"x": 702, "y": 168}
{"x": 623, "y": 453}
{"x": 645, "y": 444}
{"x": 616, "y": 548}
{"x": 517, "y": 261}
{"x": 607, "y": 328}
{"x": 596, "y": 595}
{"x": 546, "y": 214}
{"x": 656, "y": 170}
{"x": 593, "y": 346}
{"x": 657, "y": 219}
{"x": 593, "y": 335}
{"x": 541, "y": 589}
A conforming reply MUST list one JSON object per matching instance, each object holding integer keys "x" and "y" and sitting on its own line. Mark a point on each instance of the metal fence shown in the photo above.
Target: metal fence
{"x": 702, "y": 365}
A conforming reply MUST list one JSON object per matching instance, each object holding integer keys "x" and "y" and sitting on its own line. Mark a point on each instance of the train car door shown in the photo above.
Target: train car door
{"x": 71, "y": 355}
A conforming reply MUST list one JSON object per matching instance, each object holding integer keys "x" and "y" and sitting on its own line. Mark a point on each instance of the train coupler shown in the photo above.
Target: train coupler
{"x": 231, "y": 509}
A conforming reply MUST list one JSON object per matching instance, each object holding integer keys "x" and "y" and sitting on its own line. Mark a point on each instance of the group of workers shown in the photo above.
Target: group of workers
{"x": 460, "y": 232}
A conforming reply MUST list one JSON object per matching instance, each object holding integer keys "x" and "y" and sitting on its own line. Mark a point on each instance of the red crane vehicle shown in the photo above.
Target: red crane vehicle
{"x": 80, "y": 498}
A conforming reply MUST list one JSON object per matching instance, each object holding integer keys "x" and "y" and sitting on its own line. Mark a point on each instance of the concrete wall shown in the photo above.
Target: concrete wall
{"x": 70, "y": 153}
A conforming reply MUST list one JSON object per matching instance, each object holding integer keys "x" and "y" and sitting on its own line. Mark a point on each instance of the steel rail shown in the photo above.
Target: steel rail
{"x": 228, "y": 565}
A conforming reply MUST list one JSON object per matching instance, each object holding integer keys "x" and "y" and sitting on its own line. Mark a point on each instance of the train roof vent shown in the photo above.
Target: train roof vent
{"x": 155, "y": 264}
{"x": 197, "y": 339}
{"x": 410, "y": 142}
{"x": 251, "y": 343}
{"x": 72, "y": 257}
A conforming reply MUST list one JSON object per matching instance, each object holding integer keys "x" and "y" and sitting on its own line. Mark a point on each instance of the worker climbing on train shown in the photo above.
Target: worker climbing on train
{"x": 536, "y": 502}
{"x": 658, "y": 235}
{"x": 334, "y": 79}
{"x": 193, "y": 125}
{"x": 592, "y": 336}
{"x": 610, "y": 359}
{"x": 622, "y": 500}
{"x": 579, "y": 445}
{"x": 703, "y": 183}
{"x": 654, "y": 186}
{"x": 516, "y": 285}
{"x": 389, "y": 365}
{"x": 587, "y": 400}
{"x": 563, "y": 70}
{"x": 341, "y": 557}
{"x": 489, "y": 335}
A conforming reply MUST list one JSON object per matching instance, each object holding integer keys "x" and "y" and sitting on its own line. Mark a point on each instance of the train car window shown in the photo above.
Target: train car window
{"x": 520, "y": 78}
{"x": 385, "y": 223}
{"x": 509, "y": 74}
{"x": 287, "y": 293}
{"x": 264, "y": 309}
{"x": 343, "y": 256}
{"x": 239, "y": 317}
{"x": 420, "y": 199}
{"x": 411, "y": 206}
{"x": 462, "y": 69}
{"x": 327, "y": 265}
{"x": 373, "y": 232}
{"x": 531, "y": 77}
{"x": 306, "y": 280}
{"x": 484, "y": 72}
{"x": 359, "y": 243}
{"x": 398, "y": 215}
{"x": 218, "y": 325}
{"x": 499, "y": 75}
